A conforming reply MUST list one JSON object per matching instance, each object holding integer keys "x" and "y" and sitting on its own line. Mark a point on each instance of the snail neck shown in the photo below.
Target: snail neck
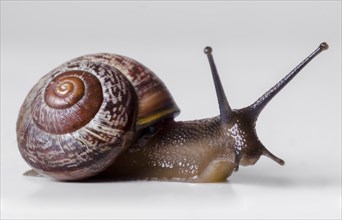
{"x": 175, "y": 152}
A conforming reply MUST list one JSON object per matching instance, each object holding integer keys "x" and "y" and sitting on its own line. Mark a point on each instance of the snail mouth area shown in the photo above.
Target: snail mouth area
{"x": 251, "y": 153}
{"x": 249, "y": 161}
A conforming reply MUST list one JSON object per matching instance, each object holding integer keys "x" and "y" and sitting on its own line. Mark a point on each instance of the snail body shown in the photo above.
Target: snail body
{"x": 109, "y": 115}
{"x": 175, "y": 153}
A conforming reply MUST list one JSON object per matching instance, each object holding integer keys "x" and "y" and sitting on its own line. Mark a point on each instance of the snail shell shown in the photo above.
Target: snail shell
{"x": 79, "y": 117}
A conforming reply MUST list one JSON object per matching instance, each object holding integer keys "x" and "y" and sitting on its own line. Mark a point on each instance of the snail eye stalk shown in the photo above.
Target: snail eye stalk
{"x": 225, "y": 110}
{"x": 258, "y": 105}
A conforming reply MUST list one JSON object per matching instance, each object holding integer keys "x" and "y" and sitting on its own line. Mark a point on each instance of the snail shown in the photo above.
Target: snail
{"x": 108, "y": 115}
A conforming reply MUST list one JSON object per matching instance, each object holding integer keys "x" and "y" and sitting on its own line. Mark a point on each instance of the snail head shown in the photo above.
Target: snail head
{"x": 239, "y": 125}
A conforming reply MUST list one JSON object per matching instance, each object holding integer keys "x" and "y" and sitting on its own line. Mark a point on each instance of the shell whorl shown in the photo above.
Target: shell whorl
{"x": 66, "y": 90}
{"x": 71, "y": 100}
{"x": 155, "y": 100}
{"x": 76, "y": 120}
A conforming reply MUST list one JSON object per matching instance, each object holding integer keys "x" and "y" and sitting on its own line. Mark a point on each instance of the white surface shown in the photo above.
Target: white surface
{"x": 255, "y": 44}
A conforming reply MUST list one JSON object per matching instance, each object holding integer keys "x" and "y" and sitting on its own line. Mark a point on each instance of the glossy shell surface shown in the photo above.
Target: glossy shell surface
{"x": 71, "y": 134}
{"x": 155, "y": 100}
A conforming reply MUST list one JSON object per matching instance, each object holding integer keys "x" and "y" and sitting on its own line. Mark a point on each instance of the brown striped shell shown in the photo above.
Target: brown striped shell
{"x": 79, "y": 117}
{"x": 155, "y": 100}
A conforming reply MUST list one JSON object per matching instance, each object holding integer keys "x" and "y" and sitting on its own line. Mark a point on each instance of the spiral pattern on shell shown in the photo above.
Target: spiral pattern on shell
{"x": 76, "y": 120}
{"x": 155, "y": 100}
{"x": 66, "y": 89}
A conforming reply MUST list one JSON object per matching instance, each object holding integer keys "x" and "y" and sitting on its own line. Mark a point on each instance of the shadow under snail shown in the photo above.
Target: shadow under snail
{"x": 108, "y": 115}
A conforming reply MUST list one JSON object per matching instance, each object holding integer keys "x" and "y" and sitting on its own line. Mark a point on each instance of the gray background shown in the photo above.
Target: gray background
{"x": 255, "y": 44}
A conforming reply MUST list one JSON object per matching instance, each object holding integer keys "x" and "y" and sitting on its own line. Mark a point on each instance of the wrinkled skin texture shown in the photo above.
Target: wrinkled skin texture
{"x": 176, "y": 153}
